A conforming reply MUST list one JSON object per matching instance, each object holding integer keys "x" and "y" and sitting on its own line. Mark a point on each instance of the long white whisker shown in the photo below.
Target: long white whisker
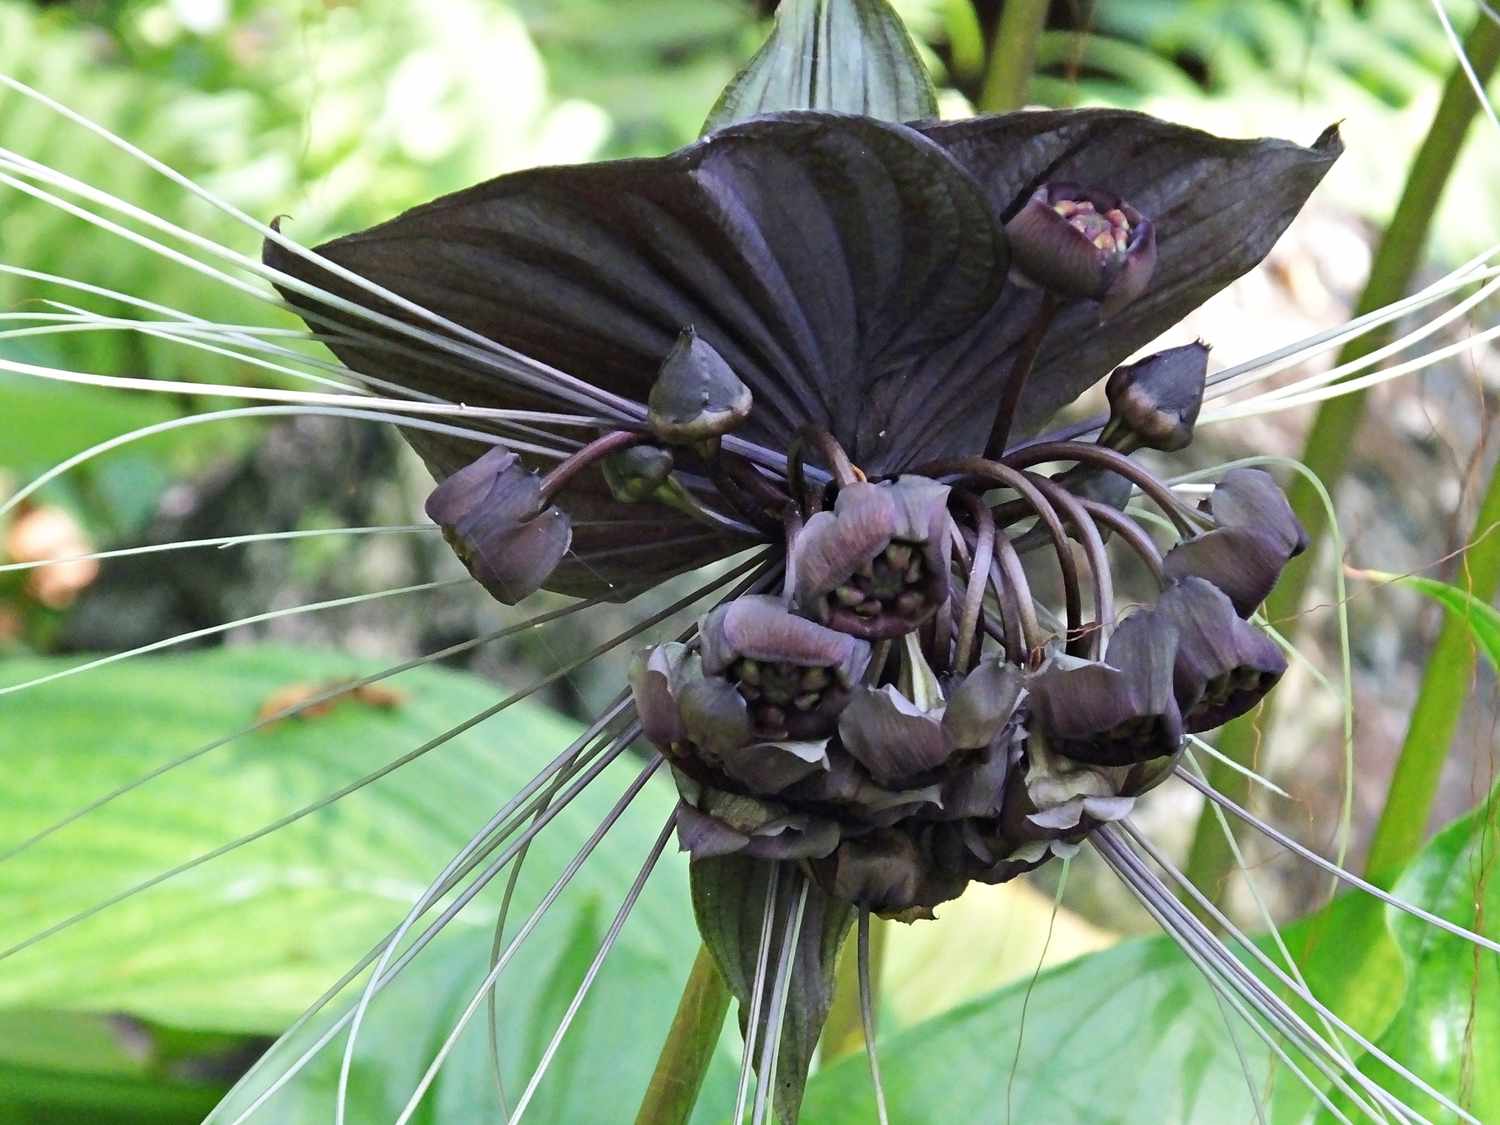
{"x": 492, "y": 355}
{"x": 215, "y": 630}
{"x": 757, "y": 993}
{"x": 1264, "y": 405}
{"x": 260, "y": 412}
{"x": 291, "y": 711}
{"x": 1228, "y": 994}
{"x": 1192, "y": 935}
{"x": 1239, "y": 1053}
{"x": 314, "y": 398}
{"x": 1481, "y": 94}
{"x": 771, "y": 1048}
{"x": 571, "y": 762}
{"x": 1297, "y": 987}
{"x": 1334, "y": 869}
{"x": 530, "y": 924}
{"x": 544, "y": 815}
{"x": 220, "y": 542}
{"x": 593, "y": 970}
{"x": 1244, "y": 771}
{"x": 867, "y": 1016}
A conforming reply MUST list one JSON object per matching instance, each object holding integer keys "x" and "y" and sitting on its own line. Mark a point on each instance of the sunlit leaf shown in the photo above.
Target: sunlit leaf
{"x": 1481, "y": 617}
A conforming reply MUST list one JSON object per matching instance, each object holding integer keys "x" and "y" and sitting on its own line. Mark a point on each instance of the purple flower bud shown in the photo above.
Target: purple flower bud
{"x": 635, "y": 474}
{"x": 794, "y": 675}
{"x": 891, "y": 736}
{"x": 1083, "y": 242}
{"x": 696, "y": 395}
{"x": 1154, "y": 403}
{"x": 891, "y": 873}
{"x": 1117, "y": 712}
{"x": 877, "y": 565}
{"x": 492, "y": 516}
{"x": 1257, "y": 535}
{"x": 1224, "y": 665}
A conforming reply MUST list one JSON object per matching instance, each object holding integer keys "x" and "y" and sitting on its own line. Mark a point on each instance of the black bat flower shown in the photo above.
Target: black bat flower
{"x": 839, "y": 336}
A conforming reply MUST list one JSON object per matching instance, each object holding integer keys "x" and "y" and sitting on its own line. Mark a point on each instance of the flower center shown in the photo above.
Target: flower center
{"x": 889, "y": 581}
{"x": 775, "y": 691}
{"x": 1107, "y": 231}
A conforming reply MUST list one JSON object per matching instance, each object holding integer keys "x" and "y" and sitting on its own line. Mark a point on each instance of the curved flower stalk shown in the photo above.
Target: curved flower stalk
{"x": 837, "y": 339}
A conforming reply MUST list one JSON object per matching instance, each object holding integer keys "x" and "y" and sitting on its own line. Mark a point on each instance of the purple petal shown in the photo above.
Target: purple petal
{"x": 891, "y": 736}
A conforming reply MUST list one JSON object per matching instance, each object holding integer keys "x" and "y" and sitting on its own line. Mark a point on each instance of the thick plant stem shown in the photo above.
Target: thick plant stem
{"x": 1012, "y": 56}
{"x": 1446, "y": 682}
{"x": 843, "y": 1031}
{"x": 1336, "y": 424}
{"x": 689, "y": 1047}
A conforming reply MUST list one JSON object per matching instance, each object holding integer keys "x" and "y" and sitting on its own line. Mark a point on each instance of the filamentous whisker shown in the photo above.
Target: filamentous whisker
{"x": 221, "y": 542}
{"x": 1205, "y": 950}
{"x": 292, "y": 711}
{"x": 605, "y": 824}
{"x": 1332, "y": 868}
{"x": 867, "y": 1015}
{"x": 781, "y": 988}
{"x": 215, "y": 630}
{"x": 605, "y": 947}
{"x": 757, "y": 993}
{"x": 579, "y": 766}
{"x": 35, "y": 485}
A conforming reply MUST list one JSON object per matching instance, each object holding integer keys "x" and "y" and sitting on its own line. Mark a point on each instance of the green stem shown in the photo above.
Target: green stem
{"x": 1012, "y": 56}
{"x": 1446, "y": 682}
{"x": 689, "y": 1047}
{"x": 1330, "y": 441}
{"x": 843, "y": 1031}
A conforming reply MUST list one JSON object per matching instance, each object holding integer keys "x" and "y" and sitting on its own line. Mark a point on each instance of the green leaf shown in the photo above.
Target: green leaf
{"x": 850, "y": 56}
{"x": 1482, "y": 618}
{"x": 245, "y": 942}
{"x": 1131, "y": 1034}
{"x": 1448, "y": 1027}
{"x": 729, "y": 900}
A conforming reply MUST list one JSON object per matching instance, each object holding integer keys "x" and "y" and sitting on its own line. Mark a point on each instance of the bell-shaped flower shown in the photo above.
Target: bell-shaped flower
{"x": 1083, "y": 242}
{"x": 877, "y": 565}
{"x": 1114, "y": 712}
{"x": 1154, "y": 403}
{"x": 696, "y": 395}
{"x": 1256, "y": 535}
{"x": 493, "y": 516}
{"x": 794, "y": 674}
{"x": 1224, "y": 664}
{"x": 703, "y": 724}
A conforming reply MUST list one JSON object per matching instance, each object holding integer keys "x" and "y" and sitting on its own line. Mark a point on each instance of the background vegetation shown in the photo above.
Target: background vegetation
{"x": 339, "y": 114}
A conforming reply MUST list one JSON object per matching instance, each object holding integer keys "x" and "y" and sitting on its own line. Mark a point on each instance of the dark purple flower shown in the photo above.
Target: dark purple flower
{"x": 1225, "y": 666}
{"x": 493, "y": 516}
{"x": 877, "y": 565}
{"x": 1083, "y": 242}
{"x": 1256, "y": 535}
{"x": 1114, "y": 712}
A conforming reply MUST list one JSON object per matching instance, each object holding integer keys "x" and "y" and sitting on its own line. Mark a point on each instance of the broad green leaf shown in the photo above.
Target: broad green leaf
{"x": 1482, "y": 618}
{"x": 850, "y": 56}
{"x": 245, "y": 942}
{"x": 1448, "y": 1027}
{"x": 1131, "y": 1034}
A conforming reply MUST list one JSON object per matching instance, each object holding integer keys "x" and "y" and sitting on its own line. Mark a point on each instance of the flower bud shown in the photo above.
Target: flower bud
{"x": 1154, "y": 403}
{"x": 696, "y": 396}
{"x": 492, "y": 516}
{"x": 877, "y": 565}
{"x": 637, "y": 473}
{"x": 1083, "y": 242}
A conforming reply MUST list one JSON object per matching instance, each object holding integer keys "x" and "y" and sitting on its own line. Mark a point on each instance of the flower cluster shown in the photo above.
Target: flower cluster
{"x": 832, "y": 337}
